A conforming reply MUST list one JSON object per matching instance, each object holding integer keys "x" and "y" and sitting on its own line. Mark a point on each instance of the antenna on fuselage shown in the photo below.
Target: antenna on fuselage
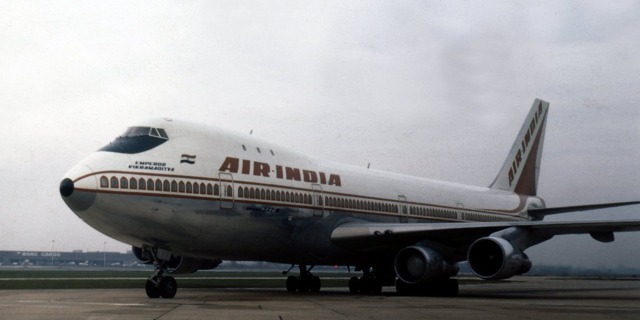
{"x": 251, "y": 132}
{"x": 368, "y": 165}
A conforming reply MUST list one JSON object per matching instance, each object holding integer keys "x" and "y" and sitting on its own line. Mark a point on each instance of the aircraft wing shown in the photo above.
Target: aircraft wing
{"x": 541, "y": 213}
{"x": 460, "y": 235}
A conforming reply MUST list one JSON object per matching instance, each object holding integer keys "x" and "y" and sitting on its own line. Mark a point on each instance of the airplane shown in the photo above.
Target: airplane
{"x": 188, "y": 196}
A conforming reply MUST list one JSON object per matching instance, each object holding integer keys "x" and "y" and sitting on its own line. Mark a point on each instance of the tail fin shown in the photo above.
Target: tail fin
{"x": 520, "y": 171}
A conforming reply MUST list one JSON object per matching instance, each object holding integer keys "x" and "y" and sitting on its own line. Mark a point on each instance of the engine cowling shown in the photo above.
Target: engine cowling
{"x": 418, "y": 264}
{"x": 494, "y": 258}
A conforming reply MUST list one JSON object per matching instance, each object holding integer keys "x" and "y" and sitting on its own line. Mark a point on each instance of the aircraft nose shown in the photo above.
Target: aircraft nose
{"x": 66, "y": 187}
{"x": 78, "y": 187}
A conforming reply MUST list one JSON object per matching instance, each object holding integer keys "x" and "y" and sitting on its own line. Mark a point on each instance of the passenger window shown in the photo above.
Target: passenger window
{"x": 141, "y": 184}
{"x": 133, "y": 183}
{"x": 104, "y": 182}
{"x": 114, "y": 182}
{"x": 229, "y": 191}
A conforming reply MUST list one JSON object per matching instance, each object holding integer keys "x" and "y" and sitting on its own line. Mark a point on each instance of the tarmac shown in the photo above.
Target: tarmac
{"x": 520, "y": 298}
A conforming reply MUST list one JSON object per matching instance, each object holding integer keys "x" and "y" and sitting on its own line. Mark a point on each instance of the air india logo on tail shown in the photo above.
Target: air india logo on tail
{"x": 262, "y": 169}
{"x": 526, "y": 144}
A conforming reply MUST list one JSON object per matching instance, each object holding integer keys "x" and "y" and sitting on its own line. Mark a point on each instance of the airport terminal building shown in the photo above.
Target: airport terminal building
{"x": 74, "y": 258}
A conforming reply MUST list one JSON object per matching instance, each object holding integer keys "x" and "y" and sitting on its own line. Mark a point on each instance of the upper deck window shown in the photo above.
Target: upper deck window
{"x": 137, "y": 139}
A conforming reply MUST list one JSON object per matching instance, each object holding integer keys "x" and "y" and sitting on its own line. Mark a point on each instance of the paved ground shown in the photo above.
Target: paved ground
{"x": 521, "y": 298}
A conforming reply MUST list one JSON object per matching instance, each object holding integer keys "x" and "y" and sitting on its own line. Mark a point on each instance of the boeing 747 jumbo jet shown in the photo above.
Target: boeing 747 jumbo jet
{"x": 187, "y": 197}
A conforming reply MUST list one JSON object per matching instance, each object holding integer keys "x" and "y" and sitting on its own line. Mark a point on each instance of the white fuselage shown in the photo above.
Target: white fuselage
{"x": 209, "y": 193}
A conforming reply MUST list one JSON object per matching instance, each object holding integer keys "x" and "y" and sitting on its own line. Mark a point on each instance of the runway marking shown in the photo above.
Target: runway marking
{"x": 67, "y": 279}
{"x": 117, "y": 304}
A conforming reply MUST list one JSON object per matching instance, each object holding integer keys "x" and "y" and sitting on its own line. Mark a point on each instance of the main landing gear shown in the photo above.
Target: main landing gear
{"x": 306, "y": 282}
{"x": 369, "y": 283}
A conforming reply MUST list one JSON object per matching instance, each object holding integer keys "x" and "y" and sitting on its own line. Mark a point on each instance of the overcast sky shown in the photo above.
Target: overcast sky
{"x": 429, "y": 88}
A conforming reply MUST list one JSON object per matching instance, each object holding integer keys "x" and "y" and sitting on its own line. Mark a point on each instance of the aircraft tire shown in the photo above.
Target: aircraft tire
{"x": 354, "y": 285}
{"x": 315, "y": 284}
{"x": 303, "y": 285}
{"x": 292, "y": 284}
{"x": 168, "y": 287}
{"x": 370, "y": 286}
{"x": 153, "y": 292}
{"x": 375, "y": 286}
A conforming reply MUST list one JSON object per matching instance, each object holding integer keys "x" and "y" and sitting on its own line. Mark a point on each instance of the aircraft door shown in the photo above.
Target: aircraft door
{"x": 316, "y": 199}
{"x": 403, "y": 209}
{"x": 226, "y": 190}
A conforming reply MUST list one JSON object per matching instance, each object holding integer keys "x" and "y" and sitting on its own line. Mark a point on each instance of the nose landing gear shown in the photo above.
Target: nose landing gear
{"x": 160, "y": 284}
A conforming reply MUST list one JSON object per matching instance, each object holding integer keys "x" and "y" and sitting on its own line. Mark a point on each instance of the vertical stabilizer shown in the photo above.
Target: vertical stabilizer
{"x": 520, "y": 171}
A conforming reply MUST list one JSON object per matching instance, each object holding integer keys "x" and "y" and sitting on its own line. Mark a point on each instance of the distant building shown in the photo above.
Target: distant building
{"x": 75, "y": 258}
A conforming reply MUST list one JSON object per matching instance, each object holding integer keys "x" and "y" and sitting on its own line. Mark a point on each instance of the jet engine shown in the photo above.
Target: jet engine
{"x": 494, "y": 258}
{"x": 419, "y": 264}
{"x": 177, "y": 264}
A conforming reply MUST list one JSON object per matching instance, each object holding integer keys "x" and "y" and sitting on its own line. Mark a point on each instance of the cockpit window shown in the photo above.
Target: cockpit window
{"x": 137, "y": 139}
{"x": 163, "y": 133}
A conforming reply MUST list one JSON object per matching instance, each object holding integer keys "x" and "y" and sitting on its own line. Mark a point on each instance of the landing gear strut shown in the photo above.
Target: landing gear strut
{"x": 306, "y": 282}
{"x": 160, "y": 284}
